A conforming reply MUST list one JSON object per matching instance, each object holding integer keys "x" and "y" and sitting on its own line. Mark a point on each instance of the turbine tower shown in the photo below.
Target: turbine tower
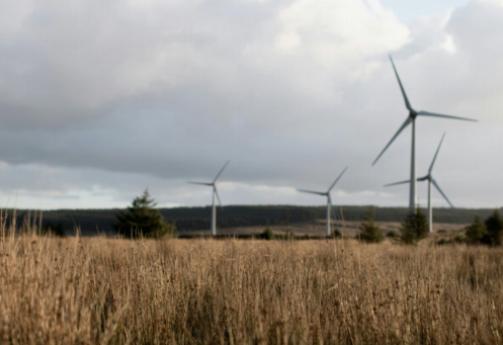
{"x": 329, "y": 200}
{"x": 214, "y": 198}
{"x": 431, "y": 181}
{"x": 411, "y": 120}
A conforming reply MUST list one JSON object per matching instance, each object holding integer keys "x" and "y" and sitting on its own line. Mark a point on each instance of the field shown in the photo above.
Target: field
{"x": 318, "y": 229}
{"x": 112, "y": 291}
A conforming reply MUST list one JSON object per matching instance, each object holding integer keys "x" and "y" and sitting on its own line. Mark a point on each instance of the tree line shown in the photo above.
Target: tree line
{"x": 187, "y": 219}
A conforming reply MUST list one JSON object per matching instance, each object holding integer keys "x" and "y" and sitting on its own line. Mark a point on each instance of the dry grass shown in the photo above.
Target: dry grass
{"x": 105, "y": 291}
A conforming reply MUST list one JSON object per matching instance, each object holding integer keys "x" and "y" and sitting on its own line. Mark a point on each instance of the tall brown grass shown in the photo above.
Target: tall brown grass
{"x": 111, "y": 291}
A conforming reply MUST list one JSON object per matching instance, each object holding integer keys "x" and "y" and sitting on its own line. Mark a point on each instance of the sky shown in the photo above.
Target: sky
{"x": 100, "y": 100}
{"x": 409, "y": 11}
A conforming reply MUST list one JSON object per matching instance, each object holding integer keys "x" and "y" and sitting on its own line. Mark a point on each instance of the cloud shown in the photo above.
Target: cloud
{"x": 291, "y": 90}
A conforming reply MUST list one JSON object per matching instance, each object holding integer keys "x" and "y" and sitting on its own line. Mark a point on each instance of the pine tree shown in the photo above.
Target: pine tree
{"x": 369, "y": 230}
{"x": 414, "y": 227}
{"x": 142, "y": 219}
{"x": 476, "y": 231}
{"x": 494, "y": 226}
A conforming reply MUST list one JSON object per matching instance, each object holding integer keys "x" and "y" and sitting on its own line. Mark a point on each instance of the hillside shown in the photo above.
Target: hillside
{"x": 189, "y": 219}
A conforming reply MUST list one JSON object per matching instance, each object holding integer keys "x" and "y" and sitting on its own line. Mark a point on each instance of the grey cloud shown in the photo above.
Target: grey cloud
{"x": 167, "y": 91}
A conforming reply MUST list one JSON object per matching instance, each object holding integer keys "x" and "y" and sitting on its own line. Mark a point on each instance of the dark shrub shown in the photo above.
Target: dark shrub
{"x": 443, "y": 241}
{"x": 143, "y": 219}
{"x": 476, "y": 231}
{"x": 267, "y": 234}
{"x": 414, "y": 227}
{"x": 494, "y": 227}
{"x": 336, "y": 234}
{"x": 369, "y": 231}
{"x": 53, "y": 229}
{"x": 391, "y": 234}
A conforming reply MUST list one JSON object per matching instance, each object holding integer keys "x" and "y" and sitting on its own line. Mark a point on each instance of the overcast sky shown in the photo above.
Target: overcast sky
{"x": 101, "y": 99}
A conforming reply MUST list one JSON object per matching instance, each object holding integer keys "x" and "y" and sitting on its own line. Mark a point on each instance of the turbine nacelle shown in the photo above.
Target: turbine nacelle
{"x": 329, "y": 198}
{"x": 424, "y": 178}
{"x": 429, "y": 177}
{"x": 413, "y": 114}
{"x": 411, "y": 120}
{"x": 215, "y": 196}
{"x": 327, "y": 193}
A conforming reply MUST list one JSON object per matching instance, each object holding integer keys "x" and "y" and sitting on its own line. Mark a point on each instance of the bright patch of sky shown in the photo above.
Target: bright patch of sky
{"x": 411, "y": 10}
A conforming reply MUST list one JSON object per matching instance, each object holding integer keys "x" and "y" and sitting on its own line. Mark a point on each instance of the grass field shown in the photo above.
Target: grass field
{"x": 348, "y": 229}
{"x": 112, "y": 291}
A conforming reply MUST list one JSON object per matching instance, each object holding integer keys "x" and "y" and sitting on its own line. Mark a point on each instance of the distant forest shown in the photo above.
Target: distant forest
{"x": 189, "y": 219}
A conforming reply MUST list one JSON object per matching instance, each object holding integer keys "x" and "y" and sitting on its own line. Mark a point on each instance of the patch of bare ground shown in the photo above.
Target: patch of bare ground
{"x": 318, "y": 229}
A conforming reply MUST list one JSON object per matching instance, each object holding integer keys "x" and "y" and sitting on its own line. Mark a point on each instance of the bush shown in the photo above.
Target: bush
{"x": 336, "y": 234}
{"x": 414, "y": 227}
{"x": 54, "y": 229}
{"x": 494, "y": 228}
{"x": 267, "y": 234}
{"x": 143, "y": 219}
{"x": 443, "y": 242}
{"x": 460, "y": 238}
{"x": 476, "y": 232}
{"x": 369, "y": 231}
{"x": 391, "y": 234}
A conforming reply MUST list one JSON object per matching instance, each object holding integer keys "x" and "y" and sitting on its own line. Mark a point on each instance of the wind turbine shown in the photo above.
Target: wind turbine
{"x": 411, "y": 120}
{"x": 329, "y": 199}
{"x": 431, "y": 181}
{"x": 215, "y": 196}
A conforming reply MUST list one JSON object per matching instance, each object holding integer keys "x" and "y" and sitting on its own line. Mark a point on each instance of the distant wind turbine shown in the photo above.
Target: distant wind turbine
{"x": 215, "y": 197}
{"x": 329, "y": 199}
{"x": 411, "y": 119}
{"x": 431, "y": 180}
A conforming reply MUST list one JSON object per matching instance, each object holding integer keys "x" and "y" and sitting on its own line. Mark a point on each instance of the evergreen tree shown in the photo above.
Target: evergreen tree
{"x": 476, "y": 232}
{"x": 369, "y": 231}
{"x": 414, "y": 227}
{"x": 143, "y": 219}
{"x": 494, "y": 226}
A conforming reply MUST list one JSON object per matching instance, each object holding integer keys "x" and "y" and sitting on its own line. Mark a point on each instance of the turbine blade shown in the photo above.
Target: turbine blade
{"x": 402, "y": 89}
{"x": 436, "y": 154}
{"x": 337, "y": 179}
{"x": 221, "y": 171}
{"x": 397, "y": 183}
{"x": 402, "y": 127}
{"x": 311, "y": 192}
{"x": 201, "y": 183}
{"x": 441, "y": 192}
{"x": 444, "y": 116}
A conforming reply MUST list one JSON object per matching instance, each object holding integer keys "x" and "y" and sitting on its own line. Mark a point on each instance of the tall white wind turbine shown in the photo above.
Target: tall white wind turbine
{"x": 431, "y": 181}
{"x": 411, "y": 120}
{"x": 329, "y": 200}
{"x": 214, "y": 198}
